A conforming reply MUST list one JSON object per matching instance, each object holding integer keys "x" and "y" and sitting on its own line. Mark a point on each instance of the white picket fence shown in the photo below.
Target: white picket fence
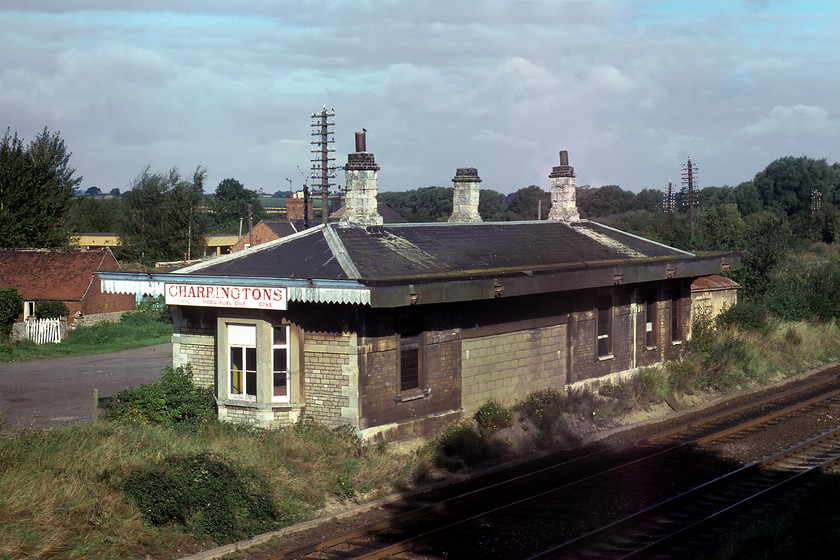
{"x": 41, "y": 331}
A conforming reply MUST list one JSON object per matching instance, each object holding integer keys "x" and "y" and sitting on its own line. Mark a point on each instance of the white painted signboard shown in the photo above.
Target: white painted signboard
{"x": 247, "y": 297}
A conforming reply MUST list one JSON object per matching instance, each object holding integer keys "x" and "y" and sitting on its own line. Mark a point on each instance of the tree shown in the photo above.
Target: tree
{"x": 93, "y": 191}
{"x": 720, "y": 228}
{"x": 115, "y": 192}
{"x": 604, "y": 201}
{"x": 491, "y": 204}
{"x": 231, "y": 203}
{"x": 163, "y": 219}
{"x": 11, "y": 305}
{"x": 789, "y": 182}
{"x": 427, "y": 204}
{"x": 527, "y": 202}
{"x": 36, "y": 187}
{"x": 89, "y": 214}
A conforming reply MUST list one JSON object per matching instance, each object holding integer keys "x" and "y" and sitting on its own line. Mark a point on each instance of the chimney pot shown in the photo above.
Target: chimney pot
{"x": 360, "y": 142}
{"x": 564, "y": 157}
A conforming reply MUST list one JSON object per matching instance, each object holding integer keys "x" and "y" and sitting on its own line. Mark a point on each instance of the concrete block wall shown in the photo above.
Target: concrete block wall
{"x": 506, "y": 367}
{"x": 331, "y": 378}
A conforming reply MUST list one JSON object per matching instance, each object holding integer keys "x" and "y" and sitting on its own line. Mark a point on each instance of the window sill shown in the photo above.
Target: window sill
{"x": 649, "y": 348}
{"x": 676, "y": 342}
{"x": 413, "y": 395}
{"x": 253, "y": 404}
{"x": 607, "y": 357}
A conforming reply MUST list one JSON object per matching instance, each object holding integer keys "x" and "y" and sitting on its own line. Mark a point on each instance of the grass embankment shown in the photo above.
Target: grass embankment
{"x": 134, "y": 330}
{"x": 159, "y": 478}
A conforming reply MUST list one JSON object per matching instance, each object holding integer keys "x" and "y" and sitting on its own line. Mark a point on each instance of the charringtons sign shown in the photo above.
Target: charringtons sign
{"x": 226, "y": 296}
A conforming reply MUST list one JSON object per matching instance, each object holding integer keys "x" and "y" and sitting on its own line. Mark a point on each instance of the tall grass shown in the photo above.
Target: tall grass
{"x": 60, "y": 489}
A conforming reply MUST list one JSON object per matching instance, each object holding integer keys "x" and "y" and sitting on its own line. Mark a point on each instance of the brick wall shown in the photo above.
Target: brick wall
{"x": 505, "y": 367}
{"x": 386, "y": 413}
{"x": 96, "y": 302}
{"x": 261, "y": 234}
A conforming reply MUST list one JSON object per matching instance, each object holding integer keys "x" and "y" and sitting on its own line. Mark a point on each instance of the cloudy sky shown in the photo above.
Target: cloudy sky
{"x": 630, "y": 88}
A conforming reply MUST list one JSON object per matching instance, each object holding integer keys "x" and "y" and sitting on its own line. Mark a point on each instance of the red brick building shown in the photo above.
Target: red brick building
{"x": 265, "y": 231}
{"x": 65, "y": 275}
{"x": 399, "y": 329}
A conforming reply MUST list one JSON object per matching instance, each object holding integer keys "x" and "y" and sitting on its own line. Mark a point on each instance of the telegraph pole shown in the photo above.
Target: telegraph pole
{"x": 689, "y": 189}
{"x": 668, "y": 200}
{"x": 323, "y": 160}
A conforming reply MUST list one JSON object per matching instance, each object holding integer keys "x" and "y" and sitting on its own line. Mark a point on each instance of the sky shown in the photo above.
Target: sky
{"x": 631, "y": 89}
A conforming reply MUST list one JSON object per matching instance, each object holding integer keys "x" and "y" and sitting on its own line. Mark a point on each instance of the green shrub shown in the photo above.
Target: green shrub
{"x": 51, "y": 309}
{"x": 206, "y": 493}
{"x": 11, "y": 305}
{"x": 173, "y": 399}
{"x": 651, "y": 386}
{"x": 542, "y": 407}
{"x": 492, "y": 417}
{"x": 746, "y": 315}
{"x": 155, "y": 307}
{"x": 461, "y": 440}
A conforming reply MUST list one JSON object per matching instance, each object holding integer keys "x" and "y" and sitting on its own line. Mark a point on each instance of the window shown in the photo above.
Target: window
{"x": 280, "y": 362}
{"x": 676, "y": 315}
{"x": 410, "y": 361}
{"x": 651, "y": 320}
{"x": 603, "y": 305}
{"x": 242, "y": 366}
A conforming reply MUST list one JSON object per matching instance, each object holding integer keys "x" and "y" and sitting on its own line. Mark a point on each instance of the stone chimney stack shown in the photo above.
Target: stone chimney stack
{"x": 361, "y": 172}
{"x": 563, "y": 199}
{"x": 465, "y": 196}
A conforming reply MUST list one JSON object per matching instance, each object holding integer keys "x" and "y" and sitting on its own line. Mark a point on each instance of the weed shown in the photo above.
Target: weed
{"x": 461, "y": 441}
{"x": 492, "y": 417}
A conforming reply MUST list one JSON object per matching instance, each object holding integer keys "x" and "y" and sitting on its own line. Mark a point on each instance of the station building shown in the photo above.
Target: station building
{"x": 399, "y": 329}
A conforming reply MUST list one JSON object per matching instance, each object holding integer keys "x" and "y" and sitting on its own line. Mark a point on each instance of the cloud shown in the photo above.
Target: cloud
{"x": 790, "y": 121}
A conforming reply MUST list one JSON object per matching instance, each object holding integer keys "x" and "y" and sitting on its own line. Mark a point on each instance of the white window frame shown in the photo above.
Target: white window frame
{"x": 286, "y": 370}
{"x": 242, "y": 337}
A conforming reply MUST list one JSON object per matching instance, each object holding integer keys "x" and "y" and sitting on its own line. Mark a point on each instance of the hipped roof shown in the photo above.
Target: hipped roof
{"x": 398, "y": 264}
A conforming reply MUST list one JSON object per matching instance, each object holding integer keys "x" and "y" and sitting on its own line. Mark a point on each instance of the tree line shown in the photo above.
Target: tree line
{"x": 165, "y": 214}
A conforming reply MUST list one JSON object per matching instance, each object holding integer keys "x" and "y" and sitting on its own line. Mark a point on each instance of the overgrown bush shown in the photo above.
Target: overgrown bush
{"x": 746, "y": 315}
{"x": 11, "y": 305}
{"x": 155, "y": 306}
{"x": 206, "y": 493}
{"x": 51, "y": 309}
{"x": 173, "y": 399}
{"x": 492, "y": 416}
{"x": 461, "y": 441}
{"x": 542, "y": 407}
{"x": 651, "y": 386}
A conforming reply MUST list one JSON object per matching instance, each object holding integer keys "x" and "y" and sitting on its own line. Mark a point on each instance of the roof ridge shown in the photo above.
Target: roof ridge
{"x": 339, "y": 251}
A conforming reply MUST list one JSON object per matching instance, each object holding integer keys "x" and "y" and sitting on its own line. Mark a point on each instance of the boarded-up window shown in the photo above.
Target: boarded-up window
{"x": 603, "y": 305}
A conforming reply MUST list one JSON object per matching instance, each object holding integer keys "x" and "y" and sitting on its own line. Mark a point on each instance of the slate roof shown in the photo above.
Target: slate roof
{"x": 436, "y": 250}
{"x": 59, "y": 274}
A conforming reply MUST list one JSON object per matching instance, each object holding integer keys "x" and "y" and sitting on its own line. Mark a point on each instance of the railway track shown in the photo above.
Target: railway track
{"x": 536, "y": 506}
{"x": 672, "y": 527}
